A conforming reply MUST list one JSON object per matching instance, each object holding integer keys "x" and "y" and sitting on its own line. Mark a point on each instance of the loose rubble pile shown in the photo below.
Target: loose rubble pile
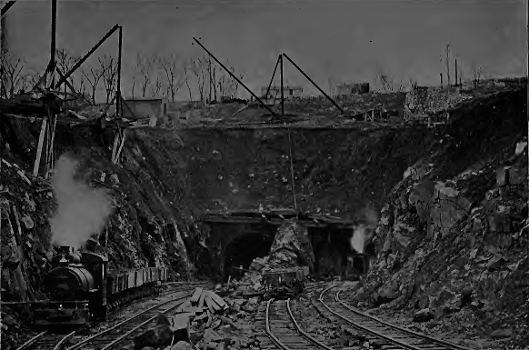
{"x": 205, "y": 321}
{"x": 208, "y": 321}
{"x": 453, "y": 238}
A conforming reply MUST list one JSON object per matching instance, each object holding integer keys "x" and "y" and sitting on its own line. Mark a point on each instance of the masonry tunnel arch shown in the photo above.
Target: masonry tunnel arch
{"x": 247, "y": 246}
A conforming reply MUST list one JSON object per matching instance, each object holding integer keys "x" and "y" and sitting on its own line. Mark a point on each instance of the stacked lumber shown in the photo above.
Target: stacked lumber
{"x": 204, "y": 300}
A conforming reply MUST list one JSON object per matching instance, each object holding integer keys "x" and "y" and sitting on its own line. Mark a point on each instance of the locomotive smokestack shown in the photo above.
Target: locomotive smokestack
{"x": 65, "y": 252}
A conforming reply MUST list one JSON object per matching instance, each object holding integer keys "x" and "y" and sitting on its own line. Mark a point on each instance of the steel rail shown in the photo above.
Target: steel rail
{"x": 63, "y": 340}
{"x": 378, "y": 333}
{"x": 269, "y": 331}
{"x": 409, "y": 331}
{"x": 305, "y": 334}
{"x": 369, "y": 330}
{"x": 32, "y": 341}
{"x": 276, "y": 340}
{"x": 89, "y": 339}
{"x": 124, "y": 336}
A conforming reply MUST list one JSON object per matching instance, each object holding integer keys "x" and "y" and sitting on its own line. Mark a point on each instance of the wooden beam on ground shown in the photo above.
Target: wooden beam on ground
{"x": 115, "y": 148}
{"x": 39, "y": 146}
{"x": 121, "y": 146}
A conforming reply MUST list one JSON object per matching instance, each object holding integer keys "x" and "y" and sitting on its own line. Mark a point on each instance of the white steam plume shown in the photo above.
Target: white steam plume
{"x": 364, "y": 232}
{"x": 358, "y": 239}
{"x": 81, "y": 212}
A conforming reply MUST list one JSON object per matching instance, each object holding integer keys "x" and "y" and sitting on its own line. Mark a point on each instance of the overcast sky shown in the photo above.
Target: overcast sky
{"x": 345, "y": 40}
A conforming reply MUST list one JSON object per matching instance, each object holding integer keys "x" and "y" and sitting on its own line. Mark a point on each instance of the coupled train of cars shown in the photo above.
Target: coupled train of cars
{"x": 81, "y": 288}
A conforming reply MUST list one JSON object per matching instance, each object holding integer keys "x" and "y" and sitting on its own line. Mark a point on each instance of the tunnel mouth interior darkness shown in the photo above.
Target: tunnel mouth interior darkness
{"x": 328, "y": 244}
{"x": 243, "y": 249}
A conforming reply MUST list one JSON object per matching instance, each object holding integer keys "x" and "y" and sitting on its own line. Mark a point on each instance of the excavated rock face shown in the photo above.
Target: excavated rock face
{"x": 291, "y": 247}
{"x": 452, "y": 237}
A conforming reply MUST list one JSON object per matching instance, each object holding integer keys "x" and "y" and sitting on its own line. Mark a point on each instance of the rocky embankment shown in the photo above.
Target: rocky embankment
{"x": 452, "y": 238}
{"x": 150, "y": 224}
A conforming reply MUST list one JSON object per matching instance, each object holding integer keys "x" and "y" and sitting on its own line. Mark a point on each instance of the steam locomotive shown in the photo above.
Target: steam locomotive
{"x": 81, "y": 289}
{"x": 285, "y": 283}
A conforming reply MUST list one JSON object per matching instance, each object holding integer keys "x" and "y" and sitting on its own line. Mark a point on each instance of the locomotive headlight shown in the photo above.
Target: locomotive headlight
{"x": 60, "y": 306}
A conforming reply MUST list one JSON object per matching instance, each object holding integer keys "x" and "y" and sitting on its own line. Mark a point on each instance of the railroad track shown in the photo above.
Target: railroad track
{"x": 45, "y": 340}
{"x": 111, "y": 336}
{"x": 284, "y": 330}
{"x": 390, "y": 336}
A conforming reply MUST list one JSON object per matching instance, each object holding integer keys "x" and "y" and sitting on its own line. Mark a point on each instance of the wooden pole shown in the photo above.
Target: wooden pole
{"x": 282, "y": 88}
{"x": 118, "y": 95}
{"x": 40, "y": 144}
{"x": 51, "y": 155}
{"x": 455, "y": 63}
{"x": 447, "y": 65}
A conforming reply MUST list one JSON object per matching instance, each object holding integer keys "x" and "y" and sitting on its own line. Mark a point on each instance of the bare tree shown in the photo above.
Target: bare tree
{"x": 199, "y": 69}
{"x": 109, "y": 71}
{"x": 385, "y": 82}
{"x": 215, "y": 83}
{"x": 156, "y": 87}
{"x": 93, "y": 77}
{"x": 222, "y": 83}
{"x": 187, "y": 81}
{"x": 477, "y": 73}
{"x": 331, "y": 86}
{"x": 171, "y": 66}
{"x": 233, "y": 84}
{"x": 65, "y": 63}
{"x": 388, "y": 84}
{"x": 13, "y": 77}
{"x": 144, "y": 66}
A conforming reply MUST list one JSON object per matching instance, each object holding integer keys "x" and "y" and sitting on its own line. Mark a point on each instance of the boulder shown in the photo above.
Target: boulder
{"x": 257, "y": 264}
{"x": 385, "y": 295}
{"x": 423, "y": 315}
{"x": 291, "y": 246}
{"x": 158, "y": 336}
{"x": 164, "y": 332}
{"x": 501, "y": 333}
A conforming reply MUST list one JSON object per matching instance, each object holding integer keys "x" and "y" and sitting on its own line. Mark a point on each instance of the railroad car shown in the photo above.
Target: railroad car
{"x": 286, "y": 282}
{"x": 80, "y": 288}
{"x": 357, "y": 266}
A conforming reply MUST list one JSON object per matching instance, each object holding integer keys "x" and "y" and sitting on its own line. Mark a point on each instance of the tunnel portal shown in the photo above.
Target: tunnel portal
{"x": 241, "y": 236}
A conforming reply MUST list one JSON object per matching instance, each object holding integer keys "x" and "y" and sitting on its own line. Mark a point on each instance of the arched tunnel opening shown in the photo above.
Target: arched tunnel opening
{"x": 242, "y": 250}
{"x": 235, "y": 243}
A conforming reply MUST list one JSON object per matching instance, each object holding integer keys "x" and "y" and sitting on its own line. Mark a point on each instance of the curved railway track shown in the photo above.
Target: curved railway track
{"x": 393, "y": 337}
{"x": 285, "y": 331}
{"x": 113, "y": 335}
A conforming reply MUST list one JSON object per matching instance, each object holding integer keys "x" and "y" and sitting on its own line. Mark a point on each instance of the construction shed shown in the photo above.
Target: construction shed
{"x": 144, "y": 108}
